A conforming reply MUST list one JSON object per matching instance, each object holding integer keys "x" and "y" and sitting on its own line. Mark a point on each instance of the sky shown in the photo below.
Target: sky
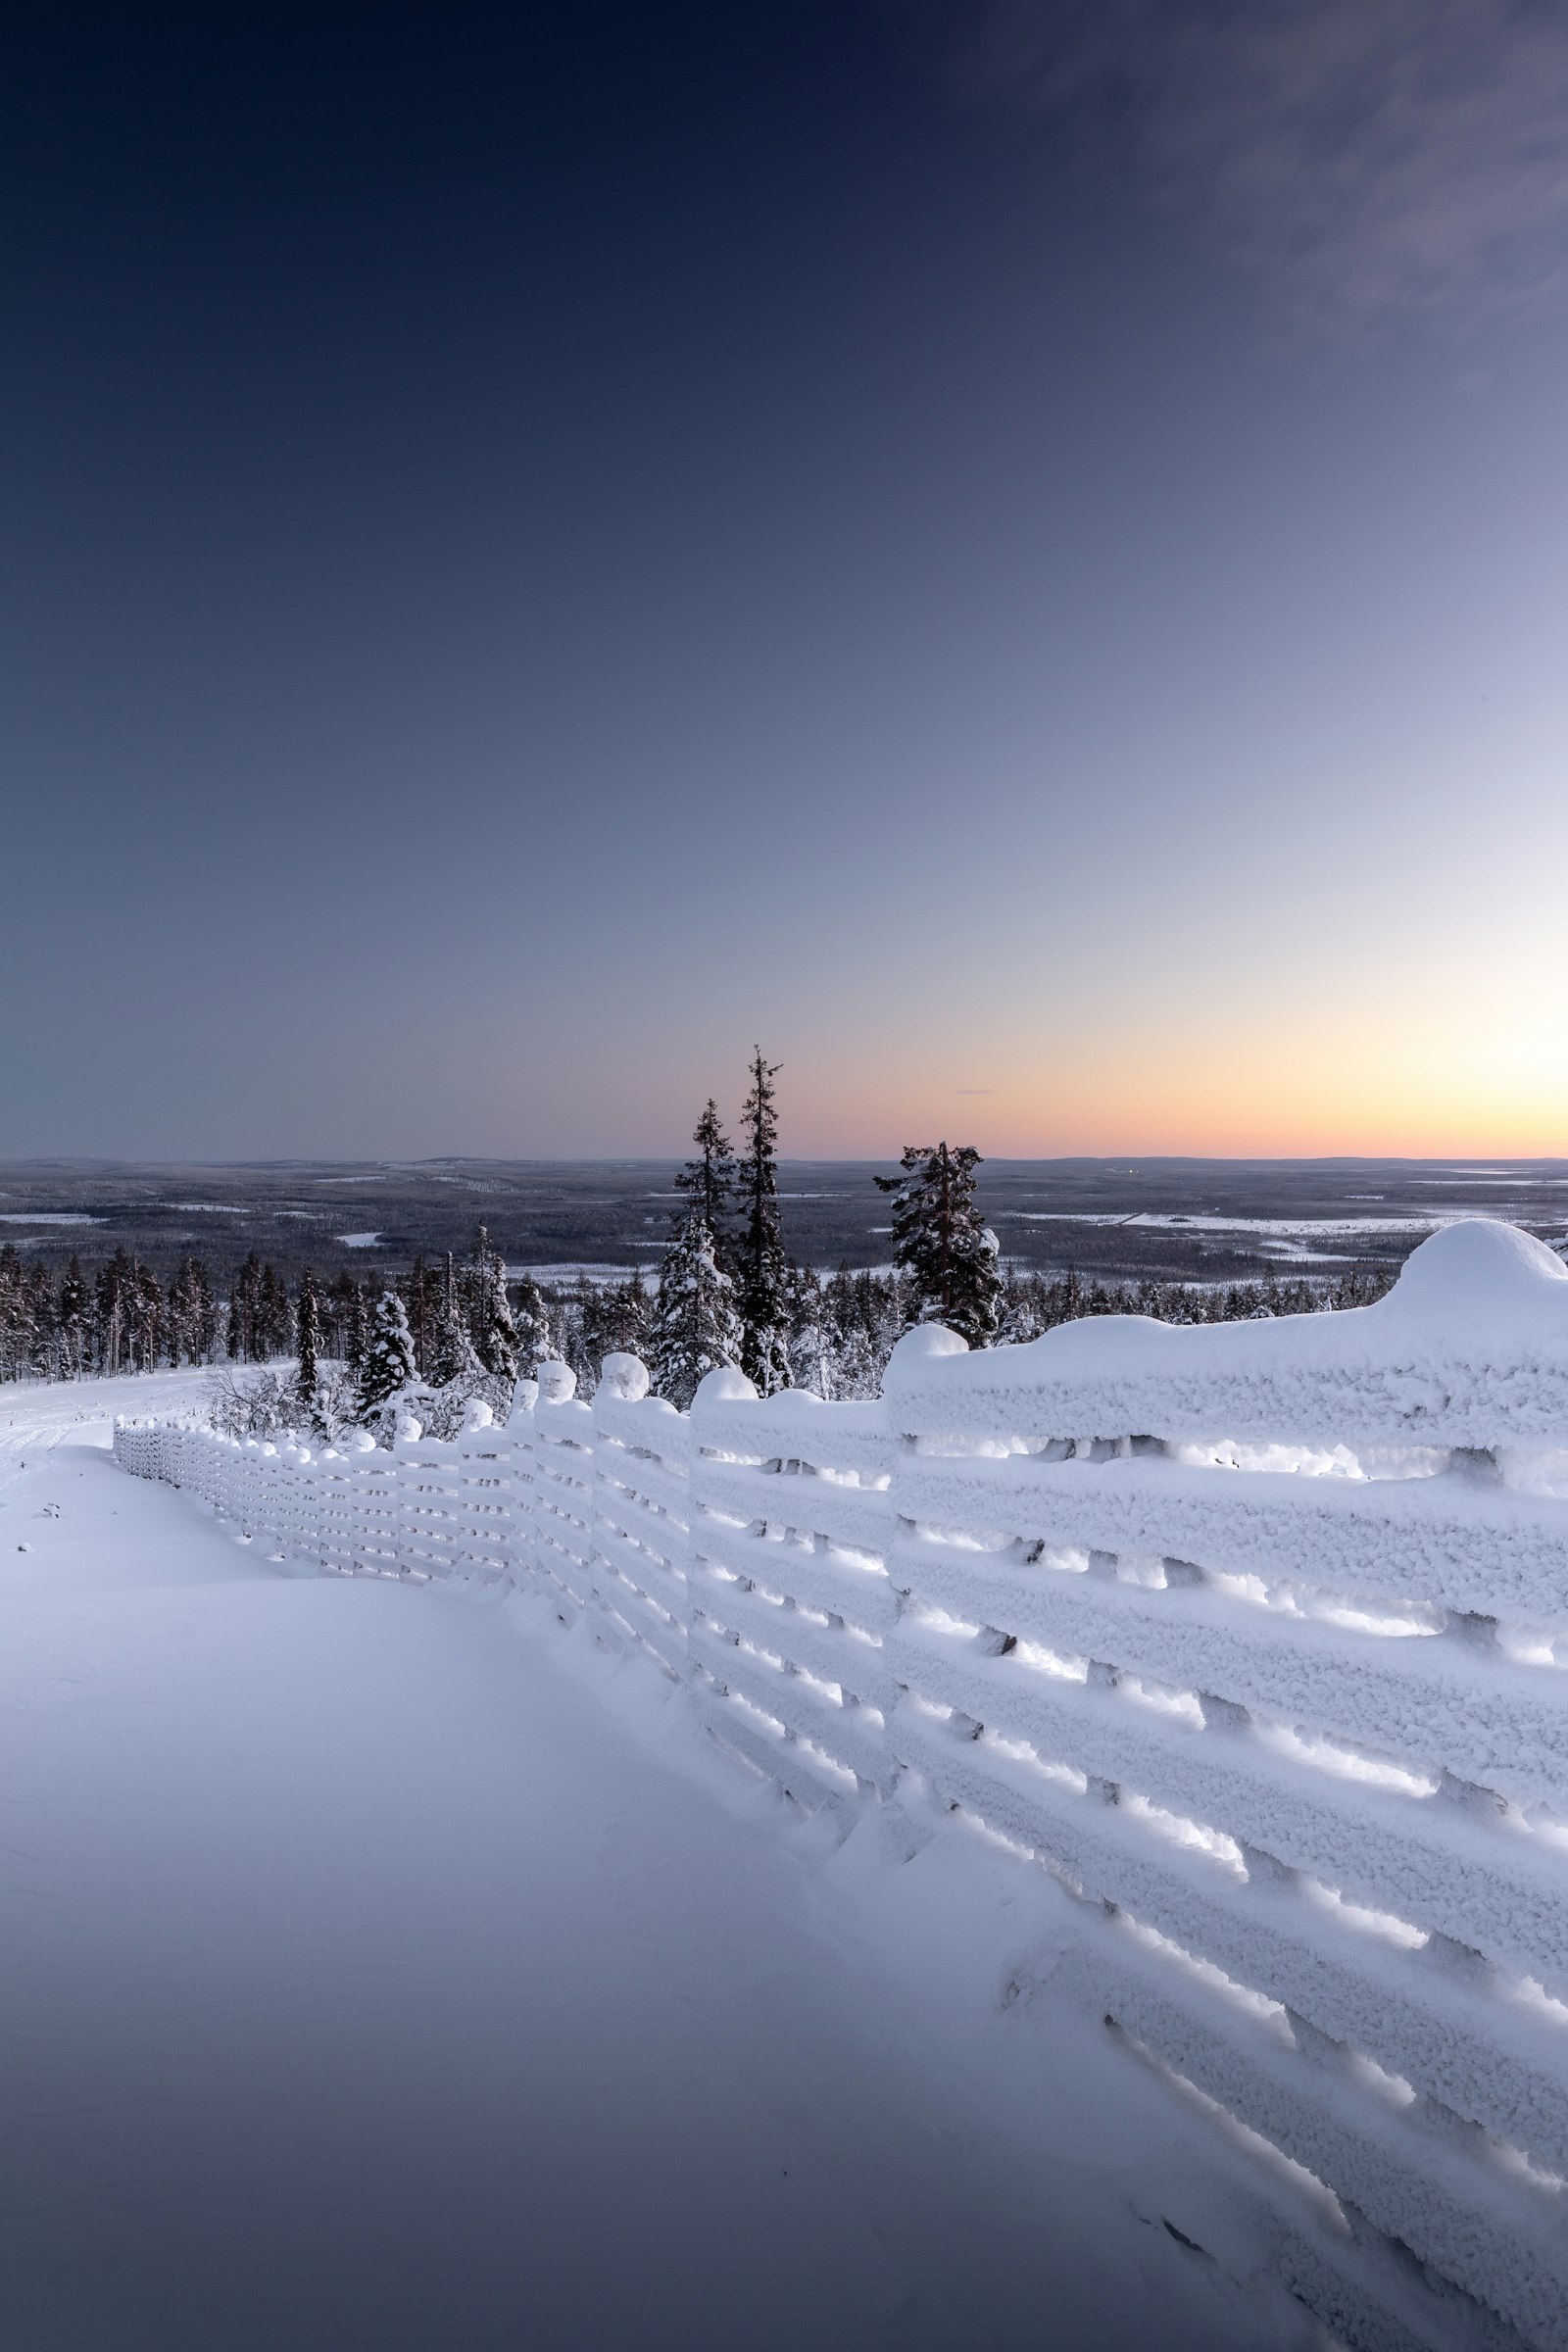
{"x": 1015, "y": 555}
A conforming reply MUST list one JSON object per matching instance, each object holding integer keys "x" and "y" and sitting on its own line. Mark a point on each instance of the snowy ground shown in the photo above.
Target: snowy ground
{"x": 387, "y": 1974}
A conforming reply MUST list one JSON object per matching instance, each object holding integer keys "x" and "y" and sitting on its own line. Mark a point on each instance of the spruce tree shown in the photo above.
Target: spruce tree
{"x": 813, "y": 1356}
{"x": 206, "y": 1313}
{"x": 709, "y": 1181}
{"x": 306, "y": 1337}
{"x": 759, "y": 1253}
{"x": 74, "y": 1322}
{"x": 344, "y": 1321}
{"x": 15, "y": 1313}
{"x": 420, "y": 1292}
{"x": 247, "y": 1321}
{"x": 387, "y": 1368}
{"x": 947, "y": 1257}
{"x": 274, "y": 1317}
{"x": 452, "y": 1360}
{"x": 41, "y": 1355}
{"x": 111, "y": 1312}
{"x": 146, "y": 1318}
{"x": 178, "y": 1323}
{"x": 530, "y": 1319}
{"x": 617, "y": 1322}
{"x": 696, "y": 1326}
{"x": 490, "y": 1324}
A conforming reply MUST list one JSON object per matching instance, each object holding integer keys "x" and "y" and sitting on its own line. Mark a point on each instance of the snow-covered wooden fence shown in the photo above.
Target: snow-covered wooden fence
{"x": 1255, "y": 1636}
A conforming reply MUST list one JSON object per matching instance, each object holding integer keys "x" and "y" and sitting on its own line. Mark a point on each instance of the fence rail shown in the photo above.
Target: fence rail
{"x": 1256, "y": 1636}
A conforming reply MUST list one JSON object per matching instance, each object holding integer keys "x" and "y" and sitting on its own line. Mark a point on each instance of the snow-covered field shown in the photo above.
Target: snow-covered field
{"x": 381, "y": 1971}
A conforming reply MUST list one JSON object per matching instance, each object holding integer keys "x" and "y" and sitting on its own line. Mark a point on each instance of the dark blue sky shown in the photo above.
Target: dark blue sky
{"x": 1016, "y": 554}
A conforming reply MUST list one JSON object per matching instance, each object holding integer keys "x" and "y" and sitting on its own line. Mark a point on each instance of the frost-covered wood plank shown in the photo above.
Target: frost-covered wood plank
{"x": 860, "y": 1518}
{"x": 1428, "y": 1700}
{"x": 1449, "y": 1540}
{"x": 851, "y": 1661}
{"x": 842, "y": 1584}
{"x": 1451, "y": 1867}
{"x": 845, "y": 1734}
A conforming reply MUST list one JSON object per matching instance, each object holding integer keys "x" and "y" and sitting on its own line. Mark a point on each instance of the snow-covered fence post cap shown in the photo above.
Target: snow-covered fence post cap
{"x": 476, "y": 1414}
{"x": 360, "y": 1441}
{"x": 625, "y": 1375}
{"x": 524, "y": 1396}
{"x": 558, "y": 1382}
{"x": 726, "y": 1384}
{"x": 924, "y": 1344}
{"x": 1481, "y": 1275}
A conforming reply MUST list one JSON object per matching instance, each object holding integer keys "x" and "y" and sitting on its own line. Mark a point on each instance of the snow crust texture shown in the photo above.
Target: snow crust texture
{"x": 1255, "y": 1638}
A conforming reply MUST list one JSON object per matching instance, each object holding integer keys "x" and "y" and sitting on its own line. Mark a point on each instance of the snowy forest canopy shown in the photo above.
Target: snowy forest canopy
{"x": 118, "y": 1317}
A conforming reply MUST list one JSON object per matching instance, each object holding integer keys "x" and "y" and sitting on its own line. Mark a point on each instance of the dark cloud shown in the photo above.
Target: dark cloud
{"x": 1368, "y": 158}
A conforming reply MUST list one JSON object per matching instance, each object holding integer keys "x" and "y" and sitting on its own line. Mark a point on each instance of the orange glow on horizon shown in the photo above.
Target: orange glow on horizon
{"x": 1286, "y": 1104}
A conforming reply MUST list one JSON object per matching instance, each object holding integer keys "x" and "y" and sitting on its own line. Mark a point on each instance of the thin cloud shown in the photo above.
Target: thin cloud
{"x": 1368, "y": 159}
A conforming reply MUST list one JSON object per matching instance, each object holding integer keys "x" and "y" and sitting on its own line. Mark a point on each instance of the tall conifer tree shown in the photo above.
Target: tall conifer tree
{"x": 307, "y": 1336}
{"x": 530, "y": 1319}
{"x": 760, "y": 1253}
{"x": 76, "y": 1312}
{"x": 709, "y": 1181}
{"x": 947, "y": 1257}
{"x": 490, "y": 1323}
{"x": 388, "y": 1364}
{"x": 451, "y": 1356}
{"x": 696, "y": 1327}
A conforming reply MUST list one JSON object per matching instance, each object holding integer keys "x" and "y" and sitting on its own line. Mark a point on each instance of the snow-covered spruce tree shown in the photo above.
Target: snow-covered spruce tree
{"x": 108, "y": 1298}
{"x": 853, "y": 1310}
{"x": 530, "y": 1320}
{"x": 420, "y": 1290}
{"x": 387, "y": 1367}
{"x": 694, "y": 1326}
{"x": 15, "y": 1314}
{"x": 145, "y": 1325}
{"x": 490, "y": 1324}
{"x": 346, "y": 1321}
{"x": 760, "y": 1251}
{"x": 182, "y": 1325}
{"x": 618, "y": 1321}
{"x": 246, "y": 1321}
{"x": 74, "y": 1341}
{"x": 307, "y": 1339}
{"x": 275, "y": 1317}
{"x": 813, "y": 1356}
{"x": 17, "y": 1326}
{"x": 709, "y": 1181}
{"x": 45, "y": 1322}
{"x": 449, "y": 1359}
{"x": 948, "y": 1258}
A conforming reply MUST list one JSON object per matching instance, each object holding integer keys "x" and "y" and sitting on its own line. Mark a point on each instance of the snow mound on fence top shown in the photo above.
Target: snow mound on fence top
{"x": 726, "y": 1384}
{"x": 1482, "y": 1276}
{"x": 1470, "y": 1347}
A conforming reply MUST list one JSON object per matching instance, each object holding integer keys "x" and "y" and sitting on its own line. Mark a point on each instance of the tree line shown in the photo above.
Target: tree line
{"x": 448, "y": 1330}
